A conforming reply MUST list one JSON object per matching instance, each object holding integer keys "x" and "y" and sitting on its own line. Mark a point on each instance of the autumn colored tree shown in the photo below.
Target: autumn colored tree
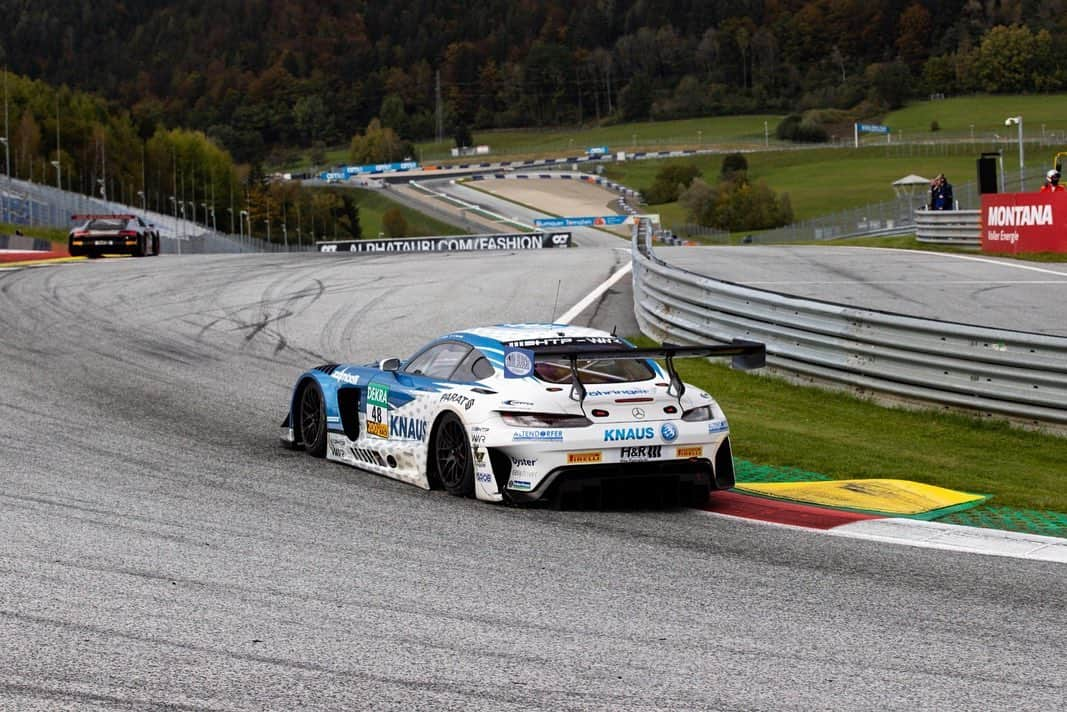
{"x": 394, "y": 223}
{"x": 377, "y": 145}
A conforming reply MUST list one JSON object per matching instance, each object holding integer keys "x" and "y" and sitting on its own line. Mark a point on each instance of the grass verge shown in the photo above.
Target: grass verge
{"x": 373, "y": 204}
{"x": 773, "y": 422}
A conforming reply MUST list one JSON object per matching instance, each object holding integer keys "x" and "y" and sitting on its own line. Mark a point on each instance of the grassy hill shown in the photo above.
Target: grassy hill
{"x": 642, "y": 136}
{"x": 825, "y": 180}
{"x": 822, "y": 180}
{"x": 986, "y": 113}
{"x": 819, "y": 180}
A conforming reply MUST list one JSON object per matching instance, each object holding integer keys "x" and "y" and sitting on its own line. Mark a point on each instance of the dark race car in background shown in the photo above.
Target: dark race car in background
{"x": 112, "y": 235}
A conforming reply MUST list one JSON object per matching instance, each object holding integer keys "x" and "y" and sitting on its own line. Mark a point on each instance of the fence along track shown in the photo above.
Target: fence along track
{"x": 1014, "y": 373}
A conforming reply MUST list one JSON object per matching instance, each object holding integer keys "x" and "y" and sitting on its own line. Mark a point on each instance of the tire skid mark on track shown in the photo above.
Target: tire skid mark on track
{"x": 83, "y": 697}
{"x": 401, "y": 593}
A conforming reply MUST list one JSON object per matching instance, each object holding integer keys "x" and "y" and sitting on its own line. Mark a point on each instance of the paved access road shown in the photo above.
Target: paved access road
{"x": 159, "y": 550}
{"x": 581, "y": 236}
{"x": 981, "y": 290}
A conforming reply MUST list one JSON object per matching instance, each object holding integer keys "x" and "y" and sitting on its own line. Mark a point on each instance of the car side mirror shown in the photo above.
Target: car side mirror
{"x": 389, "y": 364}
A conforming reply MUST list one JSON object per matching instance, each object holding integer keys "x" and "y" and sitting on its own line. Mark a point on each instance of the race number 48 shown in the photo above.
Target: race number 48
{"x": 378, "y": 410}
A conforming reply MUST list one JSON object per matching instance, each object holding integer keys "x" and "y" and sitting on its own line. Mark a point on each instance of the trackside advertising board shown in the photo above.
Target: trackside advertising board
{"x": 453, "y": 243}
{"x": 1024, "y": 222}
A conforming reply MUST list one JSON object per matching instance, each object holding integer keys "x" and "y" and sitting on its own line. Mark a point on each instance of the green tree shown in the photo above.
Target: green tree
{"x": 669, "y": 183}
{"x": 377, "y": 145}
{"x": 312, "y": 118}
{"x": 347, "y": 215}
{"x": 890, "y": 83}
{"x": 635, "y": 101}
{"x": 393, "y": 115}
{"x": 461, "y": 133}
{"x": 1007, "y": 59}
{"x": 736, "y": 205}
{"x": 733, "y": 164}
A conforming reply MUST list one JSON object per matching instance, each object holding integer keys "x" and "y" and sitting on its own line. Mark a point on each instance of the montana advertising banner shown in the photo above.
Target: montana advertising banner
{"x": 1024, "y": 222}
{"x": 454, "y": 243}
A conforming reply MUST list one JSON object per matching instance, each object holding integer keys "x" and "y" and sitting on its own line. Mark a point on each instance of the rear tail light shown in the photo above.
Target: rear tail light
{"x": 544, "y": 420}
{"x": 127, "y": 233}
{"x": 80, "y": 233}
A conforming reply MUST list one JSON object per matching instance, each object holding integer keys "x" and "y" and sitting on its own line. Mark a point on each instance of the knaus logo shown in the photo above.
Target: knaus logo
{"x": 1018, "y": 215}
{"x": 615, "y": 434}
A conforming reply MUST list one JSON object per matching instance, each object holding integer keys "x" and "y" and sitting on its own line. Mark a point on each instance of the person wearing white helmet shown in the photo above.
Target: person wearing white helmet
{"x": 1052, "y": 182}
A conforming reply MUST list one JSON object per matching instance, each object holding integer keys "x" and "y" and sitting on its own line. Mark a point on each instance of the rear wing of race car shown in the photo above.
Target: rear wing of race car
{"x": 102, "y": 217}
{"x": 746, "y": 355}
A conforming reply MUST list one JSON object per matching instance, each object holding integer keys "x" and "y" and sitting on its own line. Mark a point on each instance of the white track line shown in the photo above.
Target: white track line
{"x": 969, "y": 258}
{"x": 955, "y": 537}
{"x": 581, "y": 306}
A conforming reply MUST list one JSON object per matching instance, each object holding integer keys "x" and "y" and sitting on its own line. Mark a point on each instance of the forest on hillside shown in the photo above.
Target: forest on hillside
{"x": 255, "y": 74}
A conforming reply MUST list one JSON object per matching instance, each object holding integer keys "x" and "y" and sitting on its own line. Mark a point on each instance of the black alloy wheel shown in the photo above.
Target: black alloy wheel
{"x": 452, "y": 456}
{"x": 313, "y": 420}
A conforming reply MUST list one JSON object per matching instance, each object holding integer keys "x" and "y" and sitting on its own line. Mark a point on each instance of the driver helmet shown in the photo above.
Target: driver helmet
{"x": 1053, "y": 175}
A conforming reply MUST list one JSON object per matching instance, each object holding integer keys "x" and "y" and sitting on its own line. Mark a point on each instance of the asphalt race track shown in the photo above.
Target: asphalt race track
{"x": 158, "y": 550}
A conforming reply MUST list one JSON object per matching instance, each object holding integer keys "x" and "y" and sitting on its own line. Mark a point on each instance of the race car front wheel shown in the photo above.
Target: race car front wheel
{"x": 452, "y": 456}
{"x": 313, "y": 420}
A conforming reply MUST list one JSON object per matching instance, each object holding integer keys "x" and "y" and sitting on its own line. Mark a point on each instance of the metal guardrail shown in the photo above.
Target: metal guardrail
{"x": 1012, "y": 373}
{"x": 26, "y": 203}
{"x": 949, "y": 227}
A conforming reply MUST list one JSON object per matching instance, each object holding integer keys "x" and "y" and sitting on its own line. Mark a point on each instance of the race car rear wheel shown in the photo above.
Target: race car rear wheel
{"x": 155, "y": 246}
{"x": 139, "y": 249}
{"x": 313, "y": 420}
{"x": 452, "y": 456}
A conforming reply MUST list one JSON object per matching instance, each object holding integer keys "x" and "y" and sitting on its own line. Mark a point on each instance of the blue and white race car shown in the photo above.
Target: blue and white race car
{"x": 524, "y": 413}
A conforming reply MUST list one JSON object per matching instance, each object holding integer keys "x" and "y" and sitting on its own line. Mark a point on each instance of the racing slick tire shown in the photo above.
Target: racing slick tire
{"x": 139, "y": 249}
{"x": 312, "y": 424}
{"x": 155, "y": 245}
{"x": 450, "y": 451}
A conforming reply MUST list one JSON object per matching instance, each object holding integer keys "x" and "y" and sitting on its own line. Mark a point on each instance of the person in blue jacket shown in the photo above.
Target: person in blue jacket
{"x": 941, "y": 193}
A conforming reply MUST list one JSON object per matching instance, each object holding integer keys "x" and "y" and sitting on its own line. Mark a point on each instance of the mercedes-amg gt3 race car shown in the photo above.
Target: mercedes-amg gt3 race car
{"x": 526, "y": 412}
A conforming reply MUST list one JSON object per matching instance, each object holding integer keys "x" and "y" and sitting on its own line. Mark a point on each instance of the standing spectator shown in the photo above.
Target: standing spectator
{"x": 1052, "y": 182}
{"x": 941, "y": 193}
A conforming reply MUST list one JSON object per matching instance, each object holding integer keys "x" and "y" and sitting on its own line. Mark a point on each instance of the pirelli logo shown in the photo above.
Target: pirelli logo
{"x": 584, "y": 458}
{"x": 691, "y": 451}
